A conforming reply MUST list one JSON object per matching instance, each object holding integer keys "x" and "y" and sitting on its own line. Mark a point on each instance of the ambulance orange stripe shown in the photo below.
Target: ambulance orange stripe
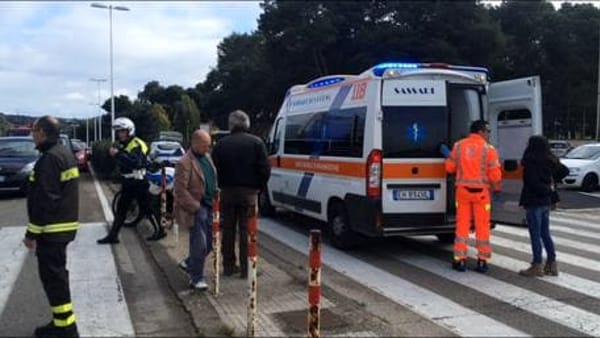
{"x": 405, "y": 170}
{"x": 352, "y": 169}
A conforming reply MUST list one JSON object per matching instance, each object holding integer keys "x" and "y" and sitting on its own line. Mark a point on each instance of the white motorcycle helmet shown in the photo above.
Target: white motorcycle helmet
{"x": 124, "y": 123}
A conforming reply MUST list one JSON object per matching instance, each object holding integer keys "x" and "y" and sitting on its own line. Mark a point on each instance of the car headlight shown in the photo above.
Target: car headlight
{"x": 28, "y": 168}
{"x": 574, "y": 171}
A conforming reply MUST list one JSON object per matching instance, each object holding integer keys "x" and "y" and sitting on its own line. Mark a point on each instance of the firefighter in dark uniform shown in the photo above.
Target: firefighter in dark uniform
{"x": 53, "y": 209}
{"x": 132, "y": 161}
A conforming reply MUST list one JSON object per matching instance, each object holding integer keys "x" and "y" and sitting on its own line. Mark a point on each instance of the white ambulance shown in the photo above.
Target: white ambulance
{"x": 362, "y": 152}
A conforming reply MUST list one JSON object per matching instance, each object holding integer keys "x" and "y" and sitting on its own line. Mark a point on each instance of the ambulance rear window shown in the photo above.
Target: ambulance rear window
{"x": 415, "y": 132}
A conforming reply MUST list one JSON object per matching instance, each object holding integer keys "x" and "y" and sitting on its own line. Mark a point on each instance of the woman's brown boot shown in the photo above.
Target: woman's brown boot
{"x": 535, "y": 270}
{"x": 551, "y": 269}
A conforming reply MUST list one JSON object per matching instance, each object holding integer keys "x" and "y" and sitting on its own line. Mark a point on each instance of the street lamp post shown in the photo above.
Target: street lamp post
{"x": 99, "y": 108}
{"x": 112, "y": 96}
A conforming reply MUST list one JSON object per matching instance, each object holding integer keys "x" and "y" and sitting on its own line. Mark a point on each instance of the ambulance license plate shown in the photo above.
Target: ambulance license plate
{"x": 407, "y": 195}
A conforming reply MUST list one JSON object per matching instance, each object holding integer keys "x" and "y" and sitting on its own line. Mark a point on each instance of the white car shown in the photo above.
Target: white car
{"x": 165, "y": 151}
{"x": 584, "y": 167}
{"x": 560, "y": 147}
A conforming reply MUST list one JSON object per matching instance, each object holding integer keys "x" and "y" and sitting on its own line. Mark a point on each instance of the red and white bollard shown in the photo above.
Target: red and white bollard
{"x": 314, "y": 285}
{"x": 252, "y": 270}
{"x": 216, "y": 238}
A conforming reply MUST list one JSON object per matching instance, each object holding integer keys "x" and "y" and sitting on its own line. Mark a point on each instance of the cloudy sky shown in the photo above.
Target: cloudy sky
{"x": 49, "y": 51}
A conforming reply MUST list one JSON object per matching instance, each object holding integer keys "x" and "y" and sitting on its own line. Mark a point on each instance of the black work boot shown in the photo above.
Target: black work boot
{"x": 460, "y": 265}
{"x": 482, "y": 266}
{"x": 109, "y": 239}
{"x": 51, "y": 331}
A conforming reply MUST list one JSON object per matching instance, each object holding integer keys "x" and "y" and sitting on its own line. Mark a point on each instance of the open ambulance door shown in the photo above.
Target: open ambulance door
{"x": 514, "y": 113}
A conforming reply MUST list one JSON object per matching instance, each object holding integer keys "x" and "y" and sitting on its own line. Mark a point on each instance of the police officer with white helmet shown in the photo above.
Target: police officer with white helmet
{"x": 132, "y": 161}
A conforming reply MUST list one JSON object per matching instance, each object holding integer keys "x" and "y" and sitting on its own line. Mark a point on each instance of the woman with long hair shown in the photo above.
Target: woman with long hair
{"x": 541, "y": 170}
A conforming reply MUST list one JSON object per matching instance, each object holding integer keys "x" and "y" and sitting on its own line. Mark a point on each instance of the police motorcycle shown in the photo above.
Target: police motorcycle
{"x": 157, "y": 161}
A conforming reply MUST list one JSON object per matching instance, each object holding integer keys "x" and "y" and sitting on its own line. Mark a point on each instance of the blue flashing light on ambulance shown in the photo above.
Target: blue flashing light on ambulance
{"x": 362, "y": 152}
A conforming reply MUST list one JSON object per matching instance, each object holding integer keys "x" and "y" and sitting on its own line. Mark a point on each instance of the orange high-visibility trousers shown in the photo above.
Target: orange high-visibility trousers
{"x": 477, "y": 203}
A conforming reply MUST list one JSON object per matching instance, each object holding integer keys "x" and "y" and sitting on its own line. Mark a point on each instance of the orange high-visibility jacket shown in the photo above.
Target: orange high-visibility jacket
{"x": 475, "y": 163}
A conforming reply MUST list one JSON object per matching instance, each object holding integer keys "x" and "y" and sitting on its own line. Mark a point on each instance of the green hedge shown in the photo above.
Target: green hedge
{"x": 104, "y": 164}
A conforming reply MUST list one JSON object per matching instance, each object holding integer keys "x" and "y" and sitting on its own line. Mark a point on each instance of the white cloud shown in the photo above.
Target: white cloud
{"x": 50, "y": 50}
{"x": 75, "y": 96}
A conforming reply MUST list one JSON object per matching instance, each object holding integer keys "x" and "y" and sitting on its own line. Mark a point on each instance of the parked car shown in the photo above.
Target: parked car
{"x": 165, "y": 151}
{"x": 560, "y": 147}
{"x": 584, "y": 167}
{"x": 17, "y": 158}
{"x": 81, "y": 153}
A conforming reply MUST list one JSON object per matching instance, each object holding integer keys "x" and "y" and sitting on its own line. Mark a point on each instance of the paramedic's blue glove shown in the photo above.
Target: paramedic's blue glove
{"x": 444, "y": 150}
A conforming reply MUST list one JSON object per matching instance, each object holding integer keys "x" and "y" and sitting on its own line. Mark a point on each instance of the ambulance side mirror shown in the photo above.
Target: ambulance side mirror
{"x": 510, "y": 165}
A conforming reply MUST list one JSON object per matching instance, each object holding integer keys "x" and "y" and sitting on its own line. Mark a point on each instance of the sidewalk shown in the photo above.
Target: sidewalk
{"x": 282, "y": 298}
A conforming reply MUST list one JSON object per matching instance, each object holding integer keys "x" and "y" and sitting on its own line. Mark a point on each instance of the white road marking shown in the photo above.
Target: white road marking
{"x": 106, "y": 208}
{"x": 96, "y": 289}
{"x": 572, "y": 231}
{"x": 565, "y": 280}
{"x": 12, "y": 256}
{"x": 564, "y": 314}
{"x": 561, "y": 257}
{"x": 574, "y": 222}
{"x": 436, "y": 308}
{"x": 523, "y": 234}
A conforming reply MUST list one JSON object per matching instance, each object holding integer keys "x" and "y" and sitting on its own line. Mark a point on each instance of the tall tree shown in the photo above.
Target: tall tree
{"x": 187, "y": 116}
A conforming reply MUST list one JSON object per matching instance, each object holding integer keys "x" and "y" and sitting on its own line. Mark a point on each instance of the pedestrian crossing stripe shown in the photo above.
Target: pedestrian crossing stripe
{"x": 569, "y": 230}
{"x": 12, "y": 257}
{"x": 452, "y": 315}
{"x": 524, "y": 237}
{"x": 96, "y": 290}
{"x": 573, "y": 221}
{"x": 428, "y": 304}
{"x": 529, "y": 301}
{"x": 562, "y": 257}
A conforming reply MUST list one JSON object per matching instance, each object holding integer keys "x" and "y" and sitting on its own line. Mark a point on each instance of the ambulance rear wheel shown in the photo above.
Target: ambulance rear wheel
{"x": 264, "y": 204}
{"x": 341, "y": 236}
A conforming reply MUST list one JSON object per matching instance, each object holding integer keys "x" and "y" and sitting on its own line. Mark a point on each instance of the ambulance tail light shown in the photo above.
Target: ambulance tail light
{"x": 374, "y": 173}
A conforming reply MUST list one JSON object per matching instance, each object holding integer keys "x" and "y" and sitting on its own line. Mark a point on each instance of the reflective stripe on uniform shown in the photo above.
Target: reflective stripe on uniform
{"x": 65, "y": 322}
{"x": 460, "y": 254}
{"x": 459, "y": 239}
{"x": 69, "y": 174}
{"x": 52, "y": 228}
{"x": 488, "y": 207}
{"x": 134, "y": 143}
{"x": 32, "y": 176}
{"x": 62, "y": 308}
{"x": 482, "y": 243}
{"x": 482, "y": 163}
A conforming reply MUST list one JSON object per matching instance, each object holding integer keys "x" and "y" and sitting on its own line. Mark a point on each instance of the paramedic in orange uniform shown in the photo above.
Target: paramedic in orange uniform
{"x": 477, "y": 168}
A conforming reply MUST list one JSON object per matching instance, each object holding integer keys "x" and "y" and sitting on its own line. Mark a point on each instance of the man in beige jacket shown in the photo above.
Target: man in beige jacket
{"x": 195, "y": 187}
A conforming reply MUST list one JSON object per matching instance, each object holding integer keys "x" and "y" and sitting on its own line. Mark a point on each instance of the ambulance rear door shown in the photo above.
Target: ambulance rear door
{"x": 414, "y": 124}
{"x": 514, "y": 113}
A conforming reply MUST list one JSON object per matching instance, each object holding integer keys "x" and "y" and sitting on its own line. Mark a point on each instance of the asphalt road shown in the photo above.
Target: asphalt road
{"x": 153, "y": 308}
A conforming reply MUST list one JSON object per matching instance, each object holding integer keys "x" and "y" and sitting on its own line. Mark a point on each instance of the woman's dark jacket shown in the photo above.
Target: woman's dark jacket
{"x": 537, "y": 180}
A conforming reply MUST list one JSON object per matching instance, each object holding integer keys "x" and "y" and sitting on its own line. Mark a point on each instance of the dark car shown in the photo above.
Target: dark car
{"x": 17, "y": 157}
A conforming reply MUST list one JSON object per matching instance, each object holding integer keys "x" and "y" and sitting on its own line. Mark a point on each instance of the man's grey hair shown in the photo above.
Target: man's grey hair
{"x": 238, "y": 120}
